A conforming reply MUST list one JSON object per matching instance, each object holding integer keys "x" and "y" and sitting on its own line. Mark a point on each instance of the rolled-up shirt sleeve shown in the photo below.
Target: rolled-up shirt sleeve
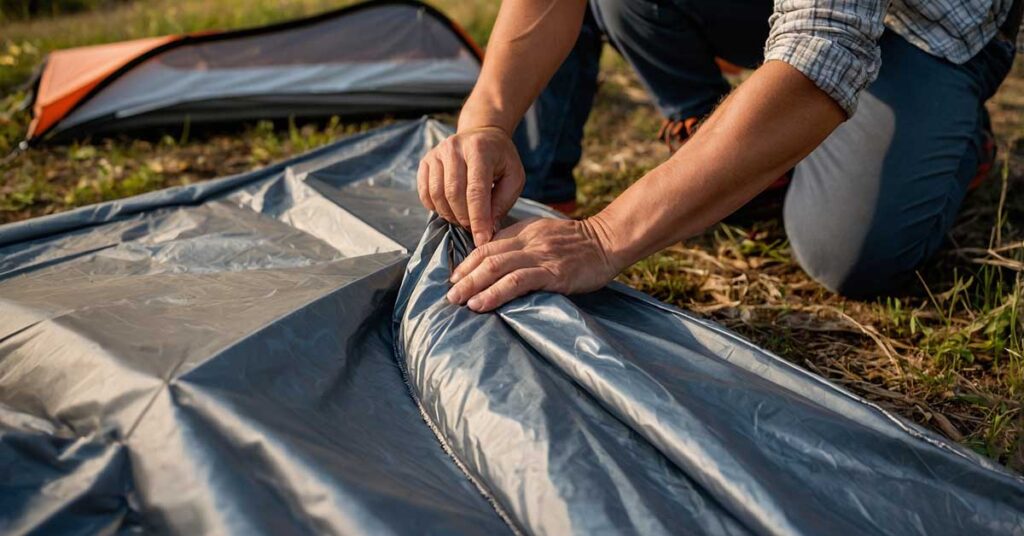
{"x": 834, "y": 43}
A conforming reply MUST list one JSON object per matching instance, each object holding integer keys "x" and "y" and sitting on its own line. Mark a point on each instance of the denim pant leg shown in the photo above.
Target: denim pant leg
{"x": 671, "y": 45}
{"x": 550, "y": 136}
{"x": 876, "y": 199}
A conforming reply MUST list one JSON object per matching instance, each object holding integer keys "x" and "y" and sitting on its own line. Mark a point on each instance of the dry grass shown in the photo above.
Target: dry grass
{"x": 948, "y": 355}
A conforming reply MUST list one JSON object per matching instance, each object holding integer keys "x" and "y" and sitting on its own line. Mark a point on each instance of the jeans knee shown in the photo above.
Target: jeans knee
{"x": 876, "y": 267}
{"x": 631, "y": 24}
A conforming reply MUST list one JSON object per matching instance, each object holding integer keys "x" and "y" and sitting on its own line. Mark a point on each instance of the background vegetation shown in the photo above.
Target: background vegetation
{"x": 948, "y": 355}
{"x": 26, "y": 9}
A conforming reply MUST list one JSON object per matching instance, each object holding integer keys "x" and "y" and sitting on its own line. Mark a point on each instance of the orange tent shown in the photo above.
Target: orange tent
{"x": 69, "y": 75}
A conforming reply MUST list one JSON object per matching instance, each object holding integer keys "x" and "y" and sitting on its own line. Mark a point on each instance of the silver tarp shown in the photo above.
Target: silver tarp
{"x": 272, "y": 353}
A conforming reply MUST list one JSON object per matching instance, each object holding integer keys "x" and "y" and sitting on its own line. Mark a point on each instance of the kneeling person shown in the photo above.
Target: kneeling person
{"x": 880, "y": 109}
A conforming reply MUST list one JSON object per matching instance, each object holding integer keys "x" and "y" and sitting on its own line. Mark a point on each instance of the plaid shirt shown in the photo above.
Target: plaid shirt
{"x": 835, "y": 42}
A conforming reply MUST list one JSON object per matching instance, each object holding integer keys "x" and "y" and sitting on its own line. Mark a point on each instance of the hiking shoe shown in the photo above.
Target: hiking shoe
{"x": 727, "y": 67}
{"x": 674, "y": 132}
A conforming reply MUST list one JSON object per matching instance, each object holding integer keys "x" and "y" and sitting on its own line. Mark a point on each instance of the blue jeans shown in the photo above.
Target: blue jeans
{"x": 868, "y": 206}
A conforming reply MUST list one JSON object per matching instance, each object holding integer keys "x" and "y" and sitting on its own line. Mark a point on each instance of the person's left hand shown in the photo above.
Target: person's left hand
{"x": 563, "y": 256}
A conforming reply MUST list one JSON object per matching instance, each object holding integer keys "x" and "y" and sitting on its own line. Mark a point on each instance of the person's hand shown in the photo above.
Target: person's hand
{"x": 563, "y": 256}
{"x": 472, "y": 179}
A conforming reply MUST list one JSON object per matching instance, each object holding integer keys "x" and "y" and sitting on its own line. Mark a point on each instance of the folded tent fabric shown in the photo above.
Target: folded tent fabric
{"x": 613, "y": 411}
{"x": 263, "y": 354}
{"x": 382, "y": 56}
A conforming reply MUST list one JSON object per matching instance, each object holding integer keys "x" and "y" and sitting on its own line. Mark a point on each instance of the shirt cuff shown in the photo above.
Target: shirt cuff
{"x": 835, "y": 69}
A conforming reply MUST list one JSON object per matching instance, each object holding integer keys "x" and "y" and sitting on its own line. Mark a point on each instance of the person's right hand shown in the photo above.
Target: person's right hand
{"x": 472, "y": 179}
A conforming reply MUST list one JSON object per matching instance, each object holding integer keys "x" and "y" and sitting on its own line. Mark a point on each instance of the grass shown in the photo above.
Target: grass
{"x": 949, "y": 354}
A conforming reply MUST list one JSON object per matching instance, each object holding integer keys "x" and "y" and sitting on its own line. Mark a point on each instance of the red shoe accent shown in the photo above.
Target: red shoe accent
{"x": 782, "y": 182}
{"x": 565, "y": 207}
{"x": 988, "y": 159}
{"x": 675, "y": 132}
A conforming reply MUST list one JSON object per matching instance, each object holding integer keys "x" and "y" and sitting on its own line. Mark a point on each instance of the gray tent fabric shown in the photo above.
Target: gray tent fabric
{"x": 378, "y": 57}
{"x": 272, "y": 353}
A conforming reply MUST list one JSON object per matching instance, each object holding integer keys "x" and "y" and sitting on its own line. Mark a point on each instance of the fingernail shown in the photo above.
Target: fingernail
{"x": 455, "y": 277}
{"x": 480, "y": 239}
{"x": 453, "y": 297}
{"x": 474, "y": 303}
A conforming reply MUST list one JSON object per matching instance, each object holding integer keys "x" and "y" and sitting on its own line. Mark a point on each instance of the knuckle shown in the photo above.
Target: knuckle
{"x": 438, "y": 198}
{"x": 452, "y": 149}
{"x": 553, "y": 277}
{"x": 515, "y": 280}
{"x": 436, "y": 187}
{"x": 476, "y": 188}
{"x": 477, "y": 201}
{"x": 486, "y": 250}
{"x": 477, "y": 144}
{"x": 453, "y": 185}
{"x": 492, "y": 264}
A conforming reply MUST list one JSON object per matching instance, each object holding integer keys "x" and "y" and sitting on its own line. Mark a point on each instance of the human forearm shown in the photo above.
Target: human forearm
{"x": 530, "y": 40}
{"x": 771, "y": 122}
